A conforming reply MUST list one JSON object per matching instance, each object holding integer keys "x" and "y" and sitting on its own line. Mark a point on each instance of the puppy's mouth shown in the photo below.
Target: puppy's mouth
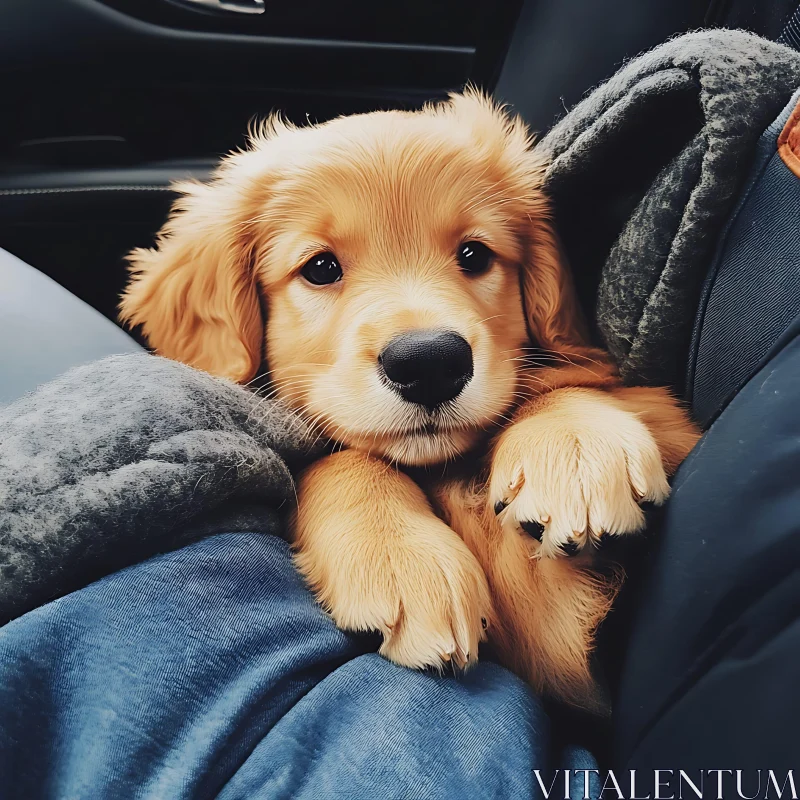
{"x": 427, "y": 443}
{"x": 430, "y": 428}
{"x": 442, "y": 422}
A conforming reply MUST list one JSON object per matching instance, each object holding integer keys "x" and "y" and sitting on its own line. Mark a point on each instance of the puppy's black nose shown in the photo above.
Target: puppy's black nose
{"x": 427, "y": 367}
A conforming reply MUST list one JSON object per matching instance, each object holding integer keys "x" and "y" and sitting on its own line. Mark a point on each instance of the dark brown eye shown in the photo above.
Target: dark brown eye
{"x": 474, "y": 257}
{"x": 322, "y": 269}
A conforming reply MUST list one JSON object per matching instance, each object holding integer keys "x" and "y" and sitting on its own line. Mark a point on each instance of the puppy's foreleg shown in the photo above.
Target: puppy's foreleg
{"x": 546, "y": 610}
{"x": 378, "y": 558}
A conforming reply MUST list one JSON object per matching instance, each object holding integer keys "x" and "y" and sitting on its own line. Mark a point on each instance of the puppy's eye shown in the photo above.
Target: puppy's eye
{"x": 474, "y": 257}
{"x": 322, "y": 269}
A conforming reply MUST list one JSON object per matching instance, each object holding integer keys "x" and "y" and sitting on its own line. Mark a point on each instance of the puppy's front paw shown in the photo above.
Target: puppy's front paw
{"x": 428, "y": 596}
{"x": 573, "y": 475}
{"x": 443, "y": 608}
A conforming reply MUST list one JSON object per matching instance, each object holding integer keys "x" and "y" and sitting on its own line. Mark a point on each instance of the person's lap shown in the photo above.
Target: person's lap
{"x": 210, "y": 671}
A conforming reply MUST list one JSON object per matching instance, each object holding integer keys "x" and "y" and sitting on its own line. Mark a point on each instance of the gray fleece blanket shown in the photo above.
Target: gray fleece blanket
{"x": 132, "y": 455}
{"x": 644, "y": 172}
{"x": 129, "y": 456}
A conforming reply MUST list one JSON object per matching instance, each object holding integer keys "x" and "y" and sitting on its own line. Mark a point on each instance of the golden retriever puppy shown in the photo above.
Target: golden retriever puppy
{"x": 395, "y": 270}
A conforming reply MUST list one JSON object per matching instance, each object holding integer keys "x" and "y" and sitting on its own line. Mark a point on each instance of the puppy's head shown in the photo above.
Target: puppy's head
{"x": 389, "y": 269}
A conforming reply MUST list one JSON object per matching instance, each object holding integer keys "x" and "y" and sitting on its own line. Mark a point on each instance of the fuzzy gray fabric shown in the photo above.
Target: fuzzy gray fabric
{"x": 129, "y": 456}
{"x": 643, "y": 173}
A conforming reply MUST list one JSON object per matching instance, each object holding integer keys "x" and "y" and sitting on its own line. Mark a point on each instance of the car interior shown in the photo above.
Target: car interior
{"x": 110, "y": 101}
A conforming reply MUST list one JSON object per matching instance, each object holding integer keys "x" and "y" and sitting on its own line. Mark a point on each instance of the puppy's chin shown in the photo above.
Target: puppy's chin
{"x": 419, "y": 449}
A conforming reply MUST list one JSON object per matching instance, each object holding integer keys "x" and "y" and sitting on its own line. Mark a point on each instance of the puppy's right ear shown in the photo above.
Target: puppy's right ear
{"x": 194, "y": 293}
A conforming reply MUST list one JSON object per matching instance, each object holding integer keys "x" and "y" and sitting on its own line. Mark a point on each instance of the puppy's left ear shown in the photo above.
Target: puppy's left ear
{"x": 553, "y": 313}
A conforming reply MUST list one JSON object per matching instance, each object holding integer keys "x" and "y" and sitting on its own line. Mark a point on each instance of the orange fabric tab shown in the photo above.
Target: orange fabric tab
{"x": 789, "y": 142}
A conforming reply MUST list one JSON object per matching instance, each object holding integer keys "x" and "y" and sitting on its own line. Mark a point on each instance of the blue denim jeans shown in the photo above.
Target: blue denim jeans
{"x": 211, "y": 672}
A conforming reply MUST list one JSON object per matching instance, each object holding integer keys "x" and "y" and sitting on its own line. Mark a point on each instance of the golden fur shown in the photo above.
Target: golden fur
{"x": 426, "y": 562}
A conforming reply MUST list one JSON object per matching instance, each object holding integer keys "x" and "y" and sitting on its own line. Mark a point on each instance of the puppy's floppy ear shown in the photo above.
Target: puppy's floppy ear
{"x": 553, "y": 313}
{"x": 555, "y": 321}
{"x": 194, "y": 293}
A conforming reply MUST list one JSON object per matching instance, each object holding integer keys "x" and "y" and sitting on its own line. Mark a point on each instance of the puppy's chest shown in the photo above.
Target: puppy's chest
{"x": 457, "y": 487}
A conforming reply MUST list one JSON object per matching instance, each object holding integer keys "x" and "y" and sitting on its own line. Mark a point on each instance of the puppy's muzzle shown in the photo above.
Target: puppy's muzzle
{"x": 427, "y": 367}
